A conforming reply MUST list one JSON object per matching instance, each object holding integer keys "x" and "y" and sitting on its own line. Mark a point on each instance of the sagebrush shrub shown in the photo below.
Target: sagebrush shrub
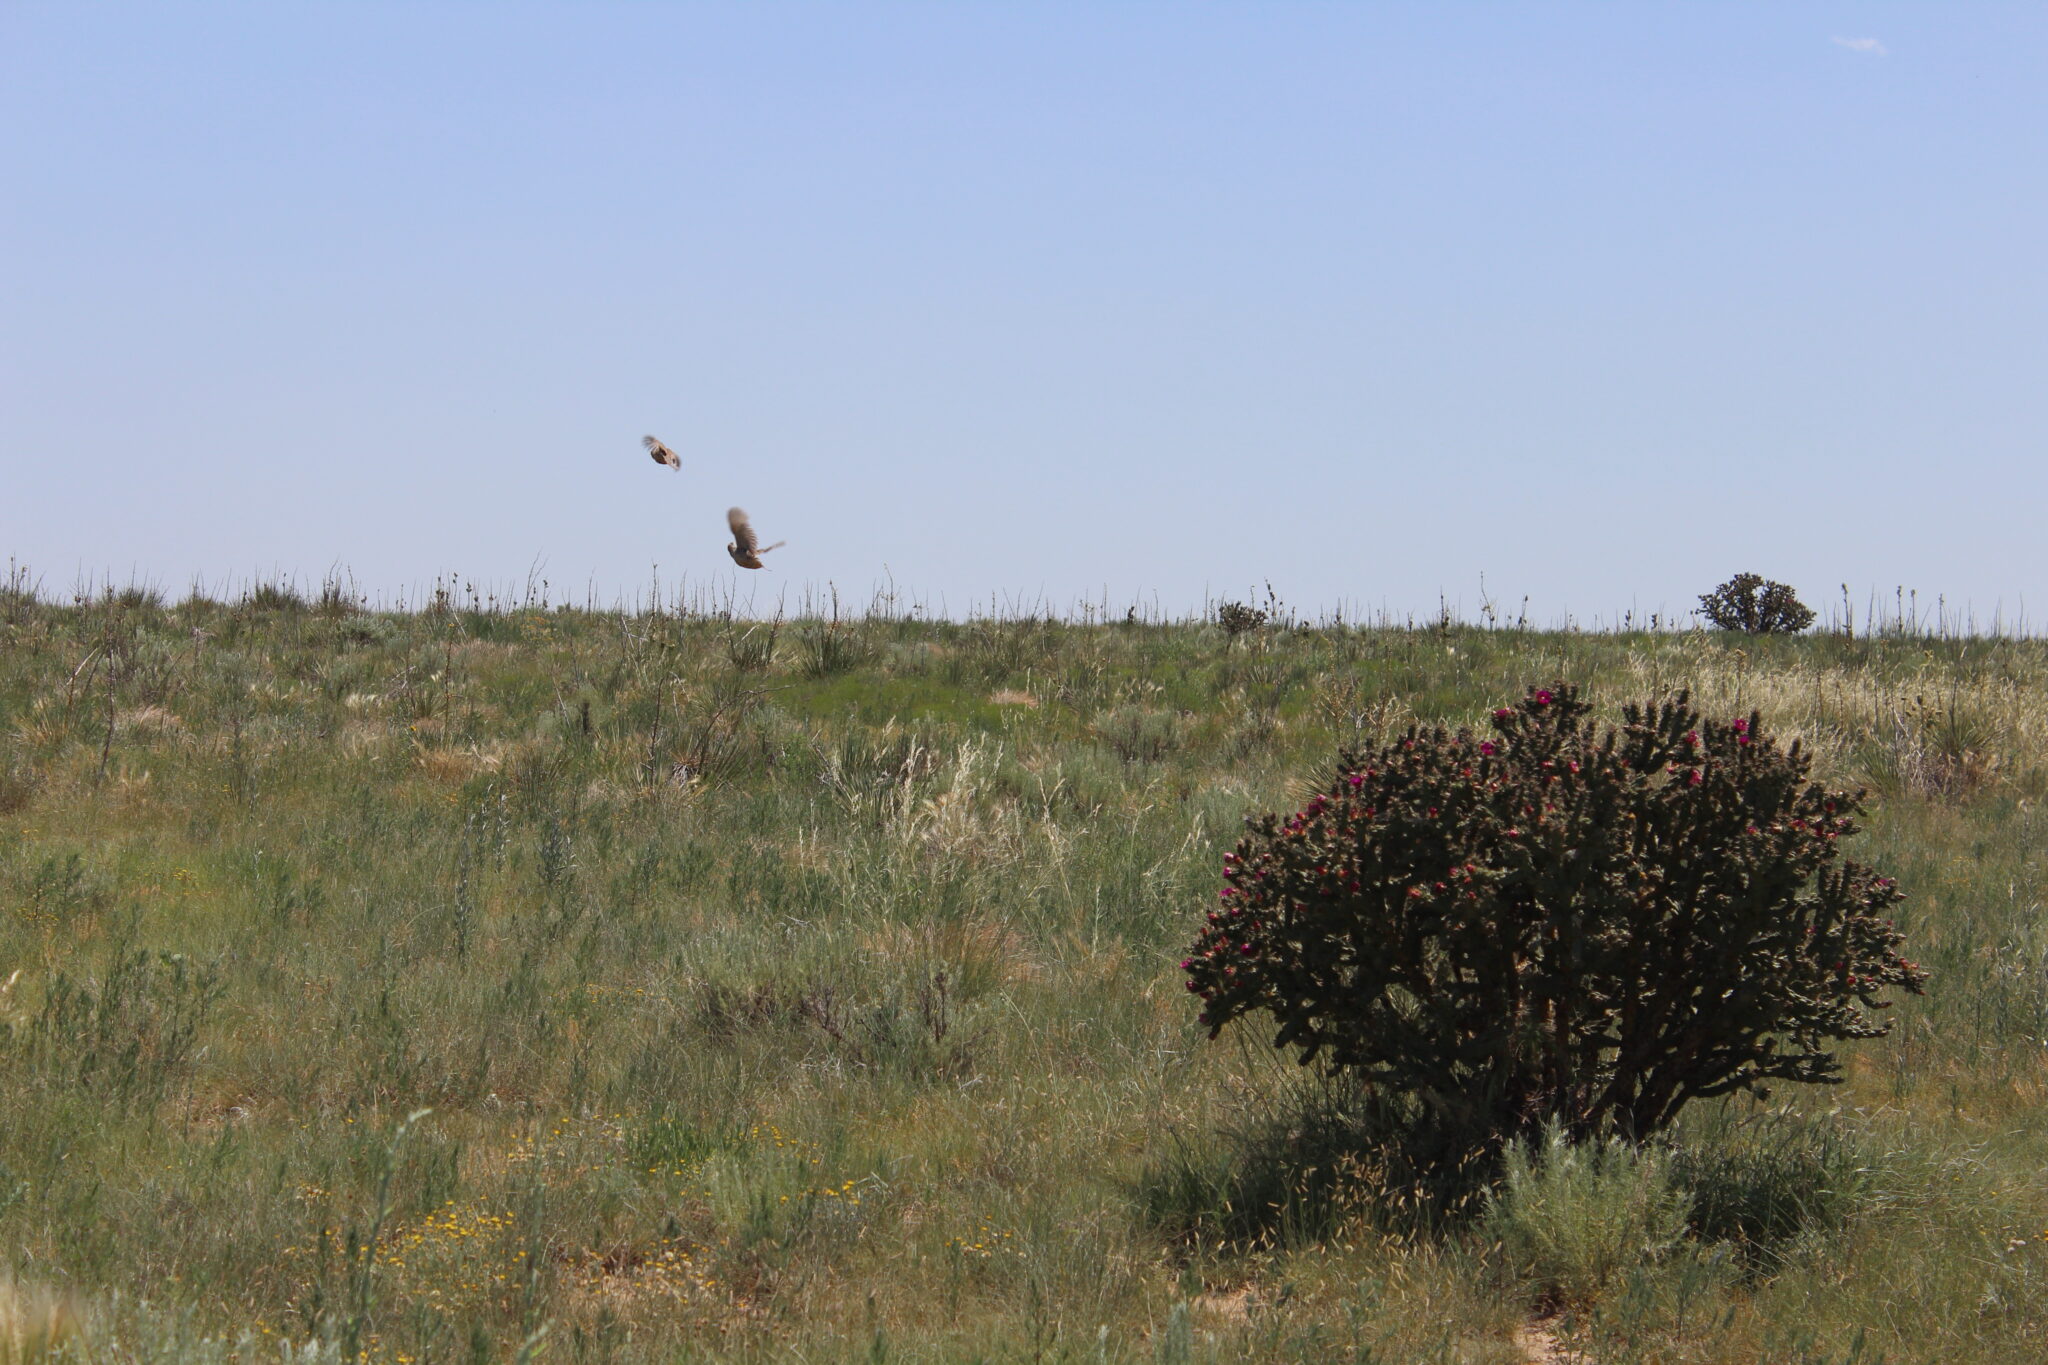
{"x": 1752, "y": 603}
{"x": 1548, "y": 922}
{"x": 1575, "y": 1216}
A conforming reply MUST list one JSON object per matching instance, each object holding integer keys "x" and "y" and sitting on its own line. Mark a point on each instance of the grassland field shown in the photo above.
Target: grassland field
{"x": 651, "y": 985}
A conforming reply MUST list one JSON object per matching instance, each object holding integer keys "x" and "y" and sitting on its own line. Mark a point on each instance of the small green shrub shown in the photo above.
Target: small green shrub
{"x": 126, "y": 1033}
{"x": 1752, "y": 603}
{"x": 1573, "y": 1216}
{"x": 1137, "y": 734}
{"x": 1550, "y": 923}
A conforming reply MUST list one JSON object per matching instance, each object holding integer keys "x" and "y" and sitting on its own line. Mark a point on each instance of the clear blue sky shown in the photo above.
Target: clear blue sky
{"x": 1602, "y": 303}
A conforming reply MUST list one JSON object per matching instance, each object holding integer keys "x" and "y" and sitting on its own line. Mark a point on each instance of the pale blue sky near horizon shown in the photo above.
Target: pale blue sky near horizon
{"x": 1593, "y": 305}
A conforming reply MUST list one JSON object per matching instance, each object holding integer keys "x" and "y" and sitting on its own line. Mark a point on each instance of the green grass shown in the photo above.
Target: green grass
{"x": 822, "y": 1003}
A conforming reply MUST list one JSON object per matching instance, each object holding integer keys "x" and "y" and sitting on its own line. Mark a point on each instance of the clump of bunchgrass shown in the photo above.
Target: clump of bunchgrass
{"x": 338, "y": 598}
{"x": 829, "y": 648}
{"x": 279, "y": 595}
{"x": 20, "y": 594}
{"x": 37, "y": 1324}
{"x": 1933, "y": 748}
{"x": 1288, "y": 1175}
{"x": 1762, "y": 1190}
{"x": 750, "y": 645}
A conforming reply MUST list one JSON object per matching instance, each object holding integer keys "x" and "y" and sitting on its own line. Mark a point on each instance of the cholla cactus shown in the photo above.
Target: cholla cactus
{"x": 1237, "y": 618}
{"x": 1750, "y": 602}
{"x": 1545, "y": 922}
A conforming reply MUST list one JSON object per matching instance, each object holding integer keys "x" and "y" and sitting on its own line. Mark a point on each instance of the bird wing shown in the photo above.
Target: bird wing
{"x": 742, "y": 532}
{"x": 661, "y": 453}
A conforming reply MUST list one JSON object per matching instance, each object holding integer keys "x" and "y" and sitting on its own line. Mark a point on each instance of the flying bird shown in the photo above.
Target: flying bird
{"x": 662, "y": 454}
{"x": 745, "y": 550}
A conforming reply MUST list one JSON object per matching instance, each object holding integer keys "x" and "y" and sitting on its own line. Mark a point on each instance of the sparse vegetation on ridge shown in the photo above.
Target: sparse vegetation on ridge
{"x": 812, "y": 991}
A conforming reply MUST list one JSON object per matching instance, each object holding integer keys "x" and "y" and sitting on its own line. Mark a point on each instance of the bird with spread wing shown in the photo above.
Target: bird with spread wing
{"x": 662, "y": 454}
{"x": 745, "y": 549}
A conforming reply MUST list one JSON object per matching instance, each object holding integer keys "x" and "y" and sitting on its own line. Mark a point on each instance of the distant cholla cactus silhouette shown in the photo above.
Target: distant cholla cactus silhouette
{"x": 662, "y": 454}
{"x": 1752, "y": 603}
{"x": 1237, "y": 618}
{"x": 746, "y": 551}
